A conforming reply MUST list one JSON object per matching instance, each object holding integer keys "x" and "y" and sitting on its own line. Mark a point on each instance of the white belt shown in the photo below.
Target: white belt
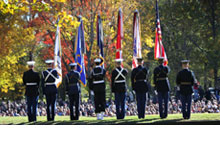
{"x": 120, "y": 81}
{"x": 98, "y": 82}
{"x": 49, "y": 83}
{"x": 31, "y": 84}
{"x": 141, "y": 80}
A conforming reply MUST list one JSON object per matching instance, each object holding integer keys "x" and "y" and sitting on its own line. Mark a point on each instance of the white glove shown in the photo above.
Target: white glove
{"x": 178, "y": 88}
{"x": 67, "y": 94}
{"x": 156, "y": 93}
{"x": 92, "y": 93}
{"x": 134, "y": 92}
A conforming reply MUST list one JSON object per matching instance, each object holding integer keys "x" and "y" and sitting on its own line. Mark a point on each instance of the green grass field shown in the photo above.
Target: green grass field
{"x": 173, "y": 119}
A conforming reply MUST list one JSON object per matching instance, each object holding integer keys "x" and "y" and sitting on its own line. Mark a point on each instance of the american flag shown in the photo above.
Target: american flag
{"x": 136, "y": 39}
{"x": 159, "y": 50}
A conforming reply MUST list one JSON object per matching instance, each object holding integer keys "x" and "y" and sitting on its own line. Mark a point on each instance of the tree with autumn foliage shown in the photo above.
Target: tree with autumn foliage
{"x": 33, "y": 24}
{"x": 15, "y": 41}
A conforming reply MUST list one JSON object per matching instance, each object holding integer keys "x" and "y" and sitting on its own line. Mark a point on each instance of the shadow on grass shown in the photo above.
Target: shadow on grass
{"x": 146, "y": 121}
{"x": 185, "y": 122}
{"x": 91, "y": 122}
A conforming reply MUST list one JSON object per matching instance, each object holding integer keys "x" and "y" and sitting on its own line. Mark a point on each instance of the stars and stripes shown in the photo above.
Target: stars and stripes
{"x": 159, "y": 50}
{"x": 136, "y": 39}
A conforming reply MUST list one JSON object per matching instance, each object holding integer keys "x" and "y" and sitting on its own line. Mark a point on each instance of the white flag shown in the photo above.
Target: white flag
{"x": 57, "y": 57}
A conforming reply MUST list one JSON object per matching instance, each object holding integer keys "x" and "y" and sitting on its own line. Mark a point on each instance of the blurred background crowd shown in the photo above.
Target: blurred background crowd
{"x": 203, "y": 102}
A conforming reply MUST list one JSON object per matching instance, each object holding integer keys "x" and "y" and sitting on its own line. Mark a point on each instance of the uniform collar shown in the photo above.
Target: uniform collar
{"x": 140, "y": 66}
{"x": 186, "y": 69}
{"x": 31, "y": 70}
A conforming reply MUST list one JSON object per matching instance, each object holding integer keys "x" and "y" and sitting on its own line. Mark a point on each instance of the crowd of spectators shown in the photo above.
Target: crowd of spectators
{"x": 18, "y": 108}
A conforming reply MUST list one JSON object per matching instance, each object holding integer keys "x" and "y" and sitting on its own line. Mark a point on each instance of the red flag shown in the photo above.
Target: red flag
{"x": 120, "y": 35}
{"x": 159, "y": 50}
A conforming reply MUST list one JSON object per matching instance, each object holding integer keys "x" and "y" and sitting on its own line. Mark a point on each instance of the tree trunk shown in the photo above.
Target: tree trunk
{"x": 30, "y": 55}
{"x": 213, "y": 15}
{"x": 205, "y": 76}
{"x": 215, "y": 76}
{"x": 90, "y": 48}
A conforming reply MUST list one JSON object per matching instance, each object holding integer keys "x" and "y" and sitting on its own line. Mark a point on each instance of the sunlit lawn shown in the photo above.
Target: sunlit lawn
{"x": 149, "y": 119}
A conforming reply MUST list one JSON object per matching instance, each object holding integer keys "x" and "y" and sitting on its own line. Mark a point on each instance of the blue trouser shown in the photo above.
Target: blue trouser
{"x": 74, "y": 101}
{"x": 51, "y": 105}
{"x": 120, "y": 105}
{"x": 32, "y": 107}
{"x": 99, "y": 99}
{"x": 186, "y": 105}
{"x": 163, "y": 98}
{"x": 141, "y": 104}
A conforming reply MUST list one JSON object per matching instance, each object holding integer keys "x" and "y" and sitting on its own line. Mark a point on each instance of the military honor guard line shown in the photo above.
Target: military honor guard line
{"x": 52, "y": 77}
{"x": 185, "y": 80}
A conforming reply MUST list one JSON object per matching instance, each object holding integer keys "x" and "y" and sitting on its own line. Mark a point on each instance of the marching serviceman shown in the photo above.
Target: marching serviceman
{"x": 73, "y": 91}
{"x": 97, "y": 84}
{"x": 31, "y": 80}
{"x": 139, "y": 85}
{"x": 162, "y": 86}
{"x": 119, "y": 88}
{"x": 185, "y": 80}
{"x": 49, "y": 77}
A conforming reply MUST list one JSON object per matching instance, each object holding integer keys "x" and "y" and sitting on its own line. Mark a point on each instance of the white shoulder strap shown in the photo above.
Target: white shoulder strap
{"x": 119, "y": 74}
{"x": 49, "y": 74}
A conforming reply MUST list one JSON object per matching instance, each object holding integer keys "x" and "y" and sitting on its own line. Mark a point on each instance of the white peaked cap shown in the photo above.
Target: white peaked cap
{"x": 49, "y": 61}
{"x": 185, "y": 61}
{"x": 97, "y": 60}
{"x": 139, "y": 58}
{"x": 31, "y": 63}
{"x": 73, "y": 64}
{"x": 118, "y": 60}
{"x": 160, "y": 58}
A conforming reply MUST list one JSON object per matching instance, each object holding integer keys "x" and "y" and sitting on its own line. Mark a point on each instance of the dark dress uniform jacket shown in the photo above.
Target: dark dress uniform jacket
{"x": 72, "y": 83}
{"x": 97, "y": 75}
{"x": 139, "y": 79}
{"x": 119, "y": 80}
{"x": 186, "y": 79}
{"x": 31, "y": 80}
{"x": 161, "y": 78}
{"x": 49, "y": 89}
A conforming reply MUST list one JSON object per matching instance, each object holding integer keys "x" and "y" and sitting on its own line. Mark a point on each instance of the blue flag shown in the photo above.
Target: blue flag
{"x": 79, "y": 58}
